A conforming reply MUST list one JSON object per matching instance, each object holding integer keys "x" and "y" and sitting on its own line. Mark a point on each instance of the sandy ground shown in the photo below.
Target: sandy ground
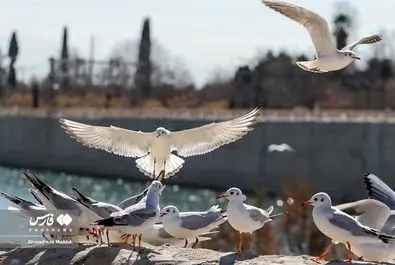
{"x": 165, "y": 255}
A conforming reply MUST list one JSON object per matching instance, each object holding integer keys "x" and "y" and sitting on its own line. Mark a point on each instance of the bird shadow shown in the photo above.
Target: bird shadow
{"x": 231, "y": 258}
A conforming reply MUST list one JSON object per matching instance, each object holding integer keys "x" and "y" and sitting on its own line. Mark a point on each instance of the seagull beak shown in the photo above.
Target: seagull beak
{"x": 307, "y": 203}
{"x": 355, "y": 57}
{"x": 162, "y": 214}
{"x": 221, "y": 196}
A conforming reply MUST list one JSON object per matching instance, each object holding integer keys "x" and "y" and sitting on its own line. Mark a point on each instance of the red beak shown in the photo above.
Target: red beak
{"x": 356, "y": 57}
{"x": 221, "y": 196}
{"x": 162, "y": 214}
{"x": 307, "y": 203}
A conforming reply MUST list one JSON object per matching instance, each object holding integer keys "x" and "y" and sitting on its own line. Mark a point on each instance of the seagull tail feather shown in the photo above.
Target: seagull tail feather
{"x": 147, "y": 166}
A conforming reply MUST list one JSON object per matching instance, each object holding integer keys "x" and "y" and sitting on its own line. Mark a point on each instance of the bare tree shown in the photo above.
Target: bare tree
{"x": 166, "y": 69}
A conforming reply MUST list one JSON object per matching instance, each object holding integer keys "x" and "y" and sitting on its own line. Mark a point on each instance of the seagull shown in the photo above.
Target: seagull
{"x": 374, "y": 214}
{"x": 243, "y": 217}
{"x": 139, "y": 217}
{"x": 58, "y": 203}
{"x": 30, "y": 210}
{"x": 280, "y": 148}
{"x": 184, "y": 225}
{"x": 153, "y": 149}
{"x": 328, "y": 58}
{"x": 341, "y": 227}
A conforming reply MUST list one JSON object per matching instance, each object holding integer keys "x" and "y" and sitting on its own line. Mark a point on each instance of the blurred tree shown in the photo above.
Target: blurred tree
{"x": 35, "y": 94}
{"x": 64, "y": 61}
{"x": 342, "y": 25}
{"x": 13, "y": 51}
{"x": 142, "y": 78}
{"x": 166, "y": 69}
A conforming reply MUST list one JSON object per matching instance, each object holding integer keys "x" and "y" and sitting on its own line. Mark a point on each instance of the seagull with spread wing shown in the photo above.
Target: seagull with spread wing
{"x": 153, "y": 149}
{"x": 328, "y": 58}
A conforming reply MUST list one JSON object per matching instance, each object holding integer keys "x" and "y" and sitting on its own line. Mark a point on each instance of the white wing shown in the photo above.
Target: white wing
{"x": 314, "y": 23}
{"x": 367, "y": 40}
{"x": 208, "y": 137}
{"x": 111, "y": 139}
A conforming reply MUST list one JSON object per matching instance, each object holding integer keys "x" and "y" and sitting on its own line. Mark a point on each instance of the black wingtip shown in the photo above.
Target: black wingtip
{"x": 11, "y": 198}
{"x": 366, "y": 175}
{"x": 106, "y": 222}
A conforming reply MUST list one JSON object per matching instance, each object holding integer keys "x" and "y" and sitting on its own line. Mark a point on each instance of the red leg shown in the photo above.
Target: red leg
{"x": 186, "y": 243}
{"x": 240, "y": 242}
{"x": 349, "y": 252}
{"x": 251, "y": 241}
{"x": 329, "y": 248}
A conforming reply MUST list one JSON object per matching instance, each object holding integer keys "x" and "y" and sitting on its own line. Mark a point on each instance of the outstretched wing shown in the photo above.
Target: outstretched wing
{"x": 367, "y": 40}
{"x": 111, "y": 139}
{"x": 209, "y": 137}
{"x": 369, "y": 212}
{"x": 316, "y": 25}
{"x": 380, "y": 191}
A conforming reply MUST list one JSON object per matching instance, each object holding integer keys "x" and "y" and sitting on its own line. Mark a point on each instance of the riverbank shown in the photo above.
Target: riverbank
{"x": 164, "y": 255}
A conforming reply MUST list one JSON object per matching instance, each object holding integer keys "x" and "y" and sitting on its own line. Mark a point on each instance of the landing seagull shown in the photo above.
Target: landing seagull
{"x": 328, "y": 58}
{"x": 153, "y": 149}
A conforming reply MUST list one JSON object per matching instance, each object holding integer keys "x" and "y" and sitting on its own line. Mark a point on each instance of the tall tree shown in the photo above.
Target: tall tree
{"x": 342, "y": 26}
{"x": 142, "y": 79}
{"x": 64, "y": 60}
{"x": 13, "y": 51}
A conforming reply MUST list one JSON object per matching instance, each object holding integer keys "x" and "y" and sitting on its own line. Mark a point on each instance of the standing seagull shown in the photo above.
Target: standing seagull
{"x": 139, "y": 217}
{"x": 153, "y": 149}
{"x": 243, "y": 217}
{"x": 328, "y": 58}
{"x": 185, "y": 225}
{"x": 341, "y": 227}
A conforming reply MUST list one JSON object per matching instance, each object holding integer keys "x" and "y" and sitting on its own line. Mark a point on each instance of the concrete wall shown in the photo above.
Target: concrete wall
{"x": 332, "y": 156}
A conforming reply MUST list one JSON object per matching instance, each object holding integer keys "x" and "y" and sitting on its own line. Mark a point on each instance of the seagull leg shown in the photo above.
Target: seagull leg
{"x": 100, "y": 236}
{"x": 134, "y": 240}
{"x": 349, "y": 252}
{"x": 196, "y": 241}
{"x": 251, "y": 241}
{"x": 322, "y": 256}
{"x": 108, "y": 237}
{"x": 154, "y": 168}
{"x": 240, "y": 242}
{"x": 186, "y": 243}
{"x": 139, "y": 241}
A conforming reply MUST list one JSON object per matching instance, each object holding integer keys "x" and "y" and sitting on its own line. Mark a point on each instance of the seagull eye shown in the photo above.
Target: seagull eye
{"x": 167, "y": 210}
{"x": 322, "y": 199}
{"x": 237, "y": 193}
{"x": 231, "y": 193}
{"x": 315, "y": 199}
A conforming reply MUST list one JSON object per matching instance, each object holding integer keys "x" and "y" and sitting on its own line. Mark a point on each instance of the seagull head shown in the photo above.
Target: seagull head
{"x": 320, "y": 199}
{"x": 350, "y": 54}
{"x": 233, "y": 194}
{"x": 161, "y": 131}
{"x": 169, "y": 211}
{"x": 156, "y": 187}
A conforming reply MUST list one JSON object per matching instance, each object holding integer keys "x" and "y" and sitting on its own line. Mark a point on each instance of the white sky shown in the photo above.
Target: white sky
{"x": 206, "y": 34}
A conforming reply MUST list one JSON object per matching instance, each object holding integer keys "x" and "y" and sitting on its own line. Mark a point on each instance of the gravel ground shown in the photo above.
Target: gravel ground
{"x": 165, "y": 255}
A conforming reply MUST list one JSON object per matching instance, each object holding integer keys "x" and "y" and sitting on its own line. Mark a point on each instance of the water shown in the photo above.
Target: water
{"x": 114, "y": 191}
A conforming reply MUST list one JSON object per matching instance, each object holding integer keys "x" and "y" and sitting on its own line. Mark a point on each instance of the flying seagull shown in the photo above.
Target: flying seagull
{"x": 280, "y": 148}
{"x": 328, "y": 58}
{"x": 153, "y": 149}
